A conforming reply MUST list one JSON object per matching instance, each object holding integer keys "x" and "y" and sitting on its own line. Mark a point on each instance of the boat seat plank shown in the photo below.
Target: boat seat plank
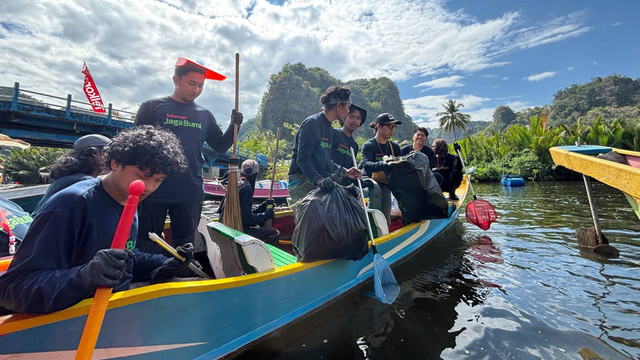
{"x": 255, "y": 255}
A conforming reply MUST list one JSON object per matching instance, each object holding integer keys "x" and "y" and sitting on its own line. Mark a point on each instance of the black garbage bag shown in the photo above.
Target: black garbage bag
{"x": 329, "y": 225}
{"x": 19, "y": 221}
{"x": 416, "y": 189}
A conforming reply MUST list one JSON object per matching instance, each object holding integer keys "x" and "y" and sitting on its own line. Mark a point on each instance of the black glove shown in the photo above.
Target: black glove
{"x": 105, "y": 269}
{"x": 326, "y": 184}
{"x": 269, "y": 213}
{"x": 236, "y": 117}
{"x": 367, "y": 182}
{"x": 456, "y": 146}
{"x": 340, "y": 177}
{"x": 173, "y": 267}
{"x": 266, "y": 205}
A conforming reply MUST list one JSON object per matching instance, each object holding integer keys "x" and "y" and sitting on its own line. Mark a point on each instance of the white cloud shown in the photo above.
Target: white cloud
{"x": 445, "y": 82}
{"x": 130, "y": 46}
{"x": 541, "y": 76}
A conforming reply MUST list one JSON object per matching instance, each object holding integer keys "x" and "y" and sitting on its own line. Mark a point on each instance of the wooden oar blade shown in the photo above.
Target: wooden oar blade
{"x": 384, "y": 283}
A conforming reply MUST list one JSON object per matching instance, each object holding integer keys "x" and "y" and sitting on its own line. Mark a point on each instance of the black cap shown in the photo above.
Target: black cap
{"x": 363, "y": 112}
{"x": 384, "y": 119}
{"x": 91, "y": 140}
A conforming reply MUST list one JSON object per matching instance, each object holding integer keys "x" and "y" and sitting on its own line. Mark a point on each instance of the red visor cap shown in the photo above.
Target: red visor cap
{"x": 208, "y": 73}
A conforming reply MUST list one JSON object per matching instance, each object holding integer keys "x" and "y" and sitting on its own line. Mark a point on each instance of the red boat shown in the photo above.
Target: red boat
{"x": 213, "y": 188}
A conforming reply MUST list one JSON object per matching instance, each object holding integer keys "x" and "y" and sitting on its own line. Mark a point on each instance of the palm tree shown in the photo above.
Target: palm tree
{"x": 452, "y": 118}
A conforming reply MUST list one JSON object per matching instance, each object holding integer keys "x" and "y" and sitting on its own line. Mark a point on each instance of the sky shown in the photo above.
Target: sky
{"x": 482, "y": 54}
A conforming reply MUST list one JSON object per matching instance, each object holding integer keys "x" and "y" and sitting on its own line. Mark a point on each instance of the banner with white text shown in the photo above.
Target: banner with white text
{"x": 91, "y": 91}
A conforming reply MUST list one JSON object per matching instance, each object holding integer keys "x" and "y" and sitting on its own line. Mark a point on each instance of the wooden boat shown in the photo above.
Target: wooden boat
{"x": 622, "y": 174}
{"x": 512, "y": 180}
{"x": 209, "y": 319}
{"x": 213, "y": 188}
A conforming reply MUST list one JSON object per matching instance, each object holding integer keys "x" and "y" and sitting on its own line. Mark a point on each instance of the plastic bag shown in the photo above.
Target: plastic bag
{"x": 329, "y": 225}
{"x": 416, "y": 189}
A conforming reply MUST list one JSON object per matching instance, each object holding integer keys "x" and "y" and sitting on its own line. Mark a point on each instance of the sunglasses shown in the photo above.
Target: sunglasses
{"x": 391, "y": 126}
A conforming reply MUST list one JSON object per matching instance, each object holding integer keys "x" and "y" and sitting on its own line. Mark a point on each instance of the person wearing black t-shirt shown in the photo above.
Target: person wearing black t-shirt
{"x": 182, "y": 194}
{"x": 448, "y": 166}
{"x": 343, "y": 138}
{"x": 373, "y": 152}
{"x": 420, "y": 136}
{"x": 311, "y": 163}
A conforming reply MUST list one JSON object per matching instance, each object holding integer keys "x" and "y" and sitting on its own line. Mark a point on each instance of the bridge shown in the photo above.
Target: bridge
{"x": 54, "y": 121}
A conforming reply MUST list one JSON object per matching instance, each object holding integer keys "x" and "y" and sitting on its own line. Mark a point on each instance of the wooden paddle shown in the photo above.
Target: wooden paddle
{"x": 232, "y": 216}
{"x": 269, "y": 222}
{"x": 101, "y": 297}
{"x": 385, "y": 285}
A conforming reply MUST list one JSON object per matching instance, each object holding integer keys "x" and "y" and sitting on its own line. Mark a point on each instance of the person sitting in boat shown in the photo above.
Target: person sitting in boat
{"x": 343, "y": 141}
{"x": 84, "y": 162}
{"x": 448, "y": 166}
{"x": 420, "y": 136}
{"x": 66, "y": 255}
{"x": 311, "y": 163}
{"x": 253, "y": 218}
{"x": 373, "y": 152}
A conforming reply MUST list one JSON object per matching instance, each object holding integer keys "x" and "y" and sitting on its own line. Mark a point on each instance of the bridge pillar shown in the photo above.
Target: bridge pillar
{"x": 109, "y": 112}
{"x": 16, "y": 92}
{"x": 67, "y": 111}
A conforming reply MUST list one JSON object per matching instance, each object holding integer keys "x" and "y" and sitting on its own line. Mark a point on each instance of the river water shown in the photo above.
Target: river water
{"x": 521, "y": 290}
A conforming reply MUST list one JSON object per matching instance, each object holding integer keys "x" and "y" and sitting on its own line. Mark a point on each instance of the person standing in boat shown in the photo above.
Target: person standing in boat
{"x": 253, "y": 218}
{"x": 343, "y": 140}
{"x": 373, "y": 153}
{"x": 448, "y": 166}
{"x": 66, "y": 255}
{"x": 311, "y": 163}
{"x": 85, "y": 162}
{"x": 182, "y": 194}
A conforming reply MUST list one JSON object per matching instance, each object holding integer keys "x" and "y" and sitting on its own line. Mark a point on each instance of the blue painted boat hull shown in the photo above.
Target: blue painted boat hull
{"x": 210, "y": 318}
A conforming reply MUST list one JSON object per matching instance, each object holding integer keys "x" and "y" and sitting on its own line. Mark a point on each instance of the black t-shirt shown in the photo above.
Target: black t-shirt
{"x": 425, "y": 150}
{"x": 340, "y": 144}
{"x": 372, "y": 154}
{"x": 311, "y": 154}
{"x": 193, "y": 125}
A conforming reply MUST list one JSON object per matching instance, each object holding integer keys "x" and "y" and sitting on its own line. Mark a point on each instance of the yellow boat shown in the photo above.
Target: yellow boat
{"x": 619, "y": 168}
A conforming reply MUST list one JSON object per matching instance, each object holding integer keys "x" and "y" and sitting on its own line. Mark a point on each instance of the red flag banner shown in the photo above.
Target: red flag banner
{"x": 91, "y": 91}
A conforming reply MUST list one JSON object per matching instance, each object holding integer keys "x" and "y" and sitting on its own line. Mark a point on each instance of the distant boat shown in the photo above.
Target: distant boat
{"x": 213, "y": 188}
{"x": 512, "y": 180}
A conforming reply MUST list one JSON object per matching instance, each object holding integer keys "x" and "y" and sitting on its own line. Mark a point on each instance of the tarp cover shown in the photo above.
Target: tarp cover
{"x": 416, "y": 189}
{"x": 329, "y": 225}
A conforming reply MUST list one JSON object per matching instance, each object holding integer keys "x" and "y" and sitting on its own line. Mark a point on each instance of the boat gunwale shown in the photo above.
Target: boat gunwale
{"x": 584, "y": 164}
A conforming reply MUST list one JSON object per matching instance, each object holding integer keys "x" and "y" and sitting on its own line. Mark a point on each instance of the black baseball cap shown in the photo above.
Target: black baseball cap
{"x": 385, "y": 119}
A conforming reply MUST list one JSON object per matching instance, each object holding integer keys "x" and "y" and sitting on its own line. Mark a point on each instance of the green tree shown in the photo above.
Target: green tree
{"x": 452, "y": 118}
{"x": 503, "y": 116}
